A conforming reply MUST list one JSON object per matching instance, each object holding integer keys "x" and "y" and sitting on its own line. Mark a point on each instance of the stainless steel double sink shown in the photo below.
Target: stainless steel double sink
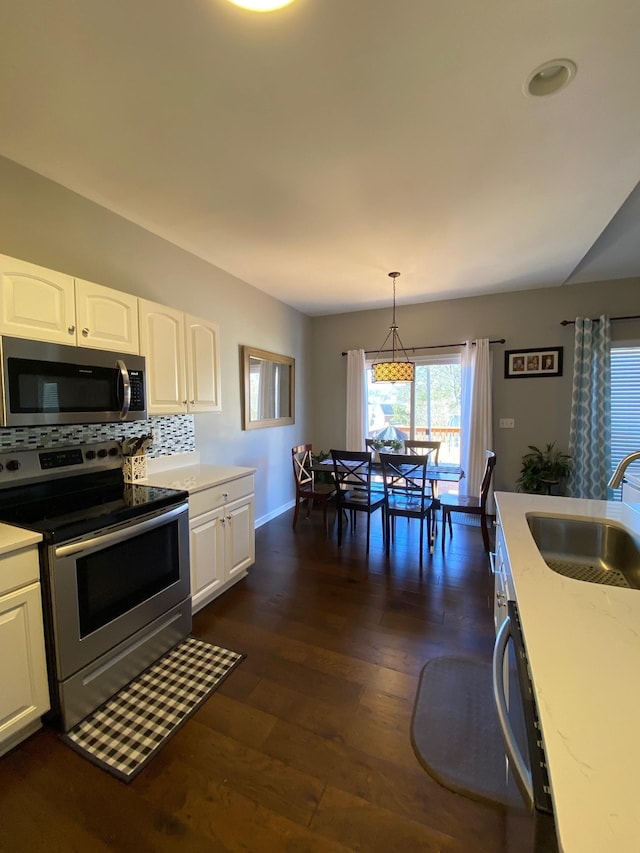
{"x": 587, "y": 550}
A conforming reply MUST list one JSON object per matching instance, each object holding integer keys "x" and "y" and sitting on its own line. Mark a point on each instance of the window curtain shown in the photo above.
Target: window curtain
{"x": 476, "y": 435}
{"x": 266, "y": 389}
{"x": 356, "y": 400}
{"x": 590, "y": 430}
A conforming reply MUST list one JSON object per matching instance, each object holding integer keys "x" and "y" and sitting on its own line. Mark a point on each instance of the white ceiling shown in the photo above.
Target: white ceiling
{"x": 312, "y": 150}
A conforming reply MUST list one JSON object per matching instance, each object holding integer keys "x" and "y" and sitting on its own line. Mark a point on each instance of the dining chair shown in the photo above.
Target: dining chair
{"x": 407, "y": 493}
{"x": 352, "y": 471}
{"x": 470, "y": 504}
{"x": 433, "y": 448}
{"x": 388, "y": 443}
{"x": 411, "y": 446}
{"x": 306, "y": 487}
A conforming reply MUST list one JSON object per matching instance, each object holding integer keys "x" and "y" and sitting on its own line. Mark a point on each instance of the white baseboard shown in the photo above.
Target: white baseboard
{"x": 274, "y": 513}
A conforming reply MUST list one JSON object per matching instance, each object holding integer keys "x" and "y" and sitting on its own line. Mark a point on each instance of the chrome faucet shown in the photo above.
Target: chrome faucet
{"x": 615, "y": 481}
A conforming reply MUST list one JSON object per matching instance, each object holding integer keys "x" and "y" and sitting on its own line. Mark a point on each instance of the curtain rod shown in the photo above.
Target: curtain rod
{"x": 433, "y": 346}
{"x": 597, "y": 319}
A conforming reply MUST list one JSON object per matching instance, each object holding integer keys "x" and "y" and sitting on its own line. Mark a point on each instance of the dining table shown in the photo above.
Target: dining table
{"x": 443, "y": 472}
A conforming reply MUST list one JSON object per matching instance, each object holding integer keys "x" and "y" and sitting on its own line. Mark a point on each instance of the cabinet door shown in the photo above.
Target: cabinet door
{"x": 107, "y": 318}
{"x": 23, "y": 672}
{"x": 207, "y": 556}
{"x": 240, "y": 536}
{"x": 162, "y": 342}
{"x": 203, "y": 365}
{"x": 36, "y": 303}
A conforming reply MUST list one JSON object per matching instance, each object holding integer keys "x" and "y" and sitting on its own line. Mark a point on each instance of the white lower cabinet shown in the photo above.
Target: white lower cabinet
{"x": 24, "y": 691}
{"x": 221, "y": 522}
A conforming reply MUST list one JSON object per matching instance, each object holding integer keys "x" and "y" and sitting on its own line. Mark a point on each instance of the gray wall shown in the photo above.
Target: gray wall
{"x": 540, "y": 407}
{"x": 44, "y": 223}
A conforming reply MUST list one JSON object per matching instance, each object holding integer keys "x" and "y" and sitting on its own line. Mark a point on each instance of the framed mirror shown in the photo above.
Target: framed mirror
{"x": 269, "y": 389}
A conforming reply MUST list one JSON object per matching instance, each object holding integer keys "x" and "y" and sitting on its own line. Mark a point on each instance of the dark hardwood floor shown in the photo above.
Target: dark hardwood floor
{"x": 306, "y": 746}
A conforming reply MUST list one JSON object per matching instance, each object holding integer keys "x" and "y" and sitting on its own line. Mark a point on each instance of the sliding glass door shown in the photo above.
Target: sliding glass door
{"x": 428, "y": 408}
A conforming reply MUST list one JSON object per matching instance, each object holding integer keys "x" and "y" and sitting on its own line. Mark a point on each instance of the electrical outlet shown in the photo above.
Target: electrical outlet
{"x": 507, "y": 423}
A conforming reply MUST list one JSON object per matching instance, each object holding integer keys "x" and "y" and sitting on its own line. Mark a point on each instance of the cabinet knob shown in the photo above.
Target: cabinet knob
{"x": 85, "y": 333}
{"x": 71, "y": 330}
{"x": 228, "y": 518}
{"x": 225, "y": 495}
{"x": 184, "y": 402}
{"x": 192, "y": 402}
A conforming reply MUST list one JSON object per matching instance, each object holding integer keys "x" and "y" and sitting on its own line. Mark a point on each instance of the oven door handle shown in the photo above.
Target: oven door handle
{"x": 521, "y": 771}
{"x": 126, "y": 386}
{"x": 103, "y": 540}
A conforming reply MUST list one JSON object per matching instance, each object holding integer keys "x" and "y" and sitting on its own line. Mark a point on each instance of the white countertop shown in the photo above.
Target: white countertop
{"x": 14, "y": 538}
{"x": 583, "y": 644}
{"x": 194, "y": 478}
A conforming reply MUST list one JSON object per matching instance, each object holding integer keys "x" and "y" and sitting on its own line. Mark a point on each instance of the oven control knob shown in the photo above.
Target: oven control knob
{"x": 90, "y": 454}
{"x": 113, "y": 451}
{"x": 1, "y": 467}
{"x": 102, "y": 453}
{"x": 13, "y": 465}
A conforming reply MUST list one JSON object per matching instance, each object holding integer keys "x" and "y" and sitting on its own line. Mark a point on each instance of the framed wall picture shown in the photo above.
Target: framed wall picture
{"x": 522, "y": 363}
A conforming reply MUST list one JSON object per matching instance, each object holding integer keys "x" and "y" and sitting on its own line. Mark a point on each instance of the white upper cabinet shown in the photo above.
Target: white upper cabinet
{"x": 162, "y": 343}
{"x": 183, "y": 360}
{"x": 106, "y": 318}
{"x": 36, "y": 302}
{"x": 50, "y": 306}
{"x": 203, "y": 365}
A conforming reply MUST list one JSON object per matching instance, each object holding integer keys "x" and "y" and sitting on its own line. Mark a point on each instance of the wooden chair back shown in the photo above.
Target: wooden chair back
{"x": 470, "y": 504}
{"x": 411, "y": 446}
{"x": 302, "y": 460}
{"x": 407, "y": 492}
{"x": 352, "y": 469}
{"x": 406, "y": 487}
{"x": 486, "y": 478}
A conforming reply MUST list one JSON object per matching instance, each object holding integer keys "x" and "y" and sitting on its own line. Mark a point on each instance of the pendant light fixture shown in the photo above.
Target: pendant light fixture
{"x": 396, "y": 370}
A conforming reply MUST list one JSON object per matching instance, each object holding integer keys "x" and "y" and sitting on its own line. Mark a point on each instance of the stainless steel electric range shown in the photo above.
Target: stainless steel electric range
{"x": 114, "y": 565}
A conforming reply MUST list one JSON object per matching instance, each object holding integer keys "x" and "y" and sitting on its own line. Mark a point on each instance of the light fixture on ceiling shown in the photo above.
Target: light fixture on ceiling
{"x": 396, "y": 370}
{"x": 261, "y": 5}
{"x": 550, "y": 77}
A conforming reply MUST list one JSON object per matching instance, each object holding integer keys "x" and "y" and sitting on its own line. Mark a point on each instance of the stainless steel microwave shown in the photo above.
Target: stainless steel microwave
{"x": 45, "y": 383}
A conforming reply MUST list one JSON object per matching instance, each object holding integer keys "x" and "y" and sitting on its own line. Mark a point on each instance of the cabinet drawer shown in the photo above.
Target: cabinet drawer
{"x": 218, "y": 495}
{"x": 19, "y": 568}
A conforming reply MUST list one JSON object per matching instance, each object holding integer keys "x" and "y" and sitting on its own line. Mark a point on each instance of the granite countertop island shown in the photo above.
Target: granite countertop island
{"x": 583, "y": 645}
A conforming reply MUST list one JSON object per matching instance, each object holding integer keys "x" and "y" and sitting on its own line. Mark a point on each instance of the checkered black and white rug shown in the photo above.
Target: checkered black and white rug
{"x": 124, "y": 734}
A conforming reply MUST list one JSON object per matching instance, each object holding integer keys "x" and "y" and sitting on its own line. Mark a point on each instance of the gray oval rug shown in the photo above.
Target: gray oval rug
{"x": 455, "y": 730}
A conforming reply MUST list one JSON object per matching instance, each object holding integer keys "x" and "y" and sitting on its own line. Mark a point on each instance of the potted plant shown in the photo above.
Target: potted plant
{"x": 542, "y": 469}
{"x": 322, "y": 476}
{"x": 388, "y": 445}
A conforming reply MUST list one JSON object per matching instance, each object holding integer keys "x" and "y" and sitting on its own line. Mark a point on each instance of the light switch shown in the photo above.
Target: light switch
{"x": 507, "y": 423}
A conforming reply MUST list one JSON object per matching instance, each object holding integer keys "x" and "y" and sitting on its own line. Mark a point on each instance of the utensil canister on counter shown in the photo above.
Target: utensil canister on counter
{"x": 134, "y": 468}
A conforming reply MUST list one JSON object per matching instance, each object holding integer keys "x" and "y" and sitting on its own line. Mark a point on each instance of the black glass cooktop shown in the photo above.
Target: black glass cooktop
{"x": 75, "y": 506}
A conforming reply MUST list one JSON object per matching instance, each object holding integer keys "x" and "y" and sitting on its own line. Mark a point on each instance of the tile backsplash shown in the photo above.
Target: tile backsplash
{"x": 171, "y": 434}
